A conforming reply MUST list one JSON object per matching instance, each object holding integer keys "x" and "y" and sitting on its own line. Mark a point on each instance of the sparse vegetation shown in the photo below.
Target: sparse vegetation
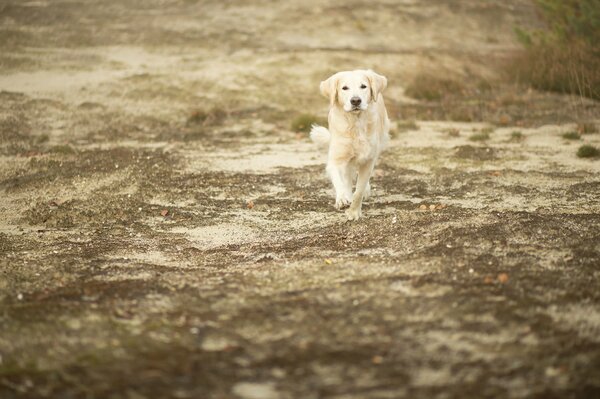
{"x": 42, "y": 138}
{"x": 564, "y": 56}
{"x": 588, "y": 151}
{"x": 63, "y": 149}
{"x": 516, "y": 135}
{"x": 453, "y": 132}
{"x": 406, "y": 125}
{"x": 211, "y": 117}
{"x": 302, "y": 123}
{"x": 432, "y": 88}
{"x": 479, "y": 136}
{"x": 571, "y": 136}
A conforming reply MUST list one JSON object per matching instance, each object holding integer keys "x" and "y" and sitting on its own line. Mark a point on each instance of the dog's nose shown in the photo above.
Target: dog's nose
{"x": 355, "y": 101}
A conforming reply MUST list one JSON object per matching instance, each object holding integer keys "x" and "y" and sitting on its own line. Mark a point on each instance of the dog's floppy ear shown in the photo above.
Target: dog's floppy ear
{"x": 329, "y": 88}
{"x": 377, "y": 82}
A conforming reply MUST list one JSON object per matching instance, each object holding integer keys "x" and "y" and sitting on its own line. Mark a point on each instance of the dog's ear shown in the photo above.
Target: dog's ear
{"x": 329, "y": 88}
{"x": 377, "y": 82}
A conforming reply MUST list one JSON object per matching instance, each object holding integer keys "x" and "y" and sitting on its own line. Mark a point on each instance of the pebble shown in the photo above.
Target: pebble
{"x": 255, "y": 390}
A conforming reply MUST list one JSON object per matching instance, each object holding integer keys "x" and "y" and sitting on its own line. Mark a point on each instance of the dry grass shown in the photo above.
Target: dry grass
{"x": 587, "y": 128}
{"x": 563, "y": 57}
{"x": 432, "y": 88}
{"x": 565, "y": 68}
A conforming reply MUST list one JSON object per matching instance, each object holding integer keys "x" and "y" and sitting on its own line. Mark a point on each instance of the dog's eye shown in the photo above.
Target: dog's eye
{"x": 345, "y": 88}
{"x": 363, "y": 86}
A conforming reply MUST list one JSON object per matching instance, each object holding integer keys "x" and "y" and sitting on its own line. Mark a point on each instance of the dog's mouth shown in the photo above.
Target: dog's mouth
{"x": 355, "y": 108}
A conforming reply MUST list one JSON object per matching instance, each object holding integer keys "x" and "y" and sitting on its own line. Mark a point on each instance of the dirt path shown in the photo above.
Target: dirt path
{"x": 135, "y": 134}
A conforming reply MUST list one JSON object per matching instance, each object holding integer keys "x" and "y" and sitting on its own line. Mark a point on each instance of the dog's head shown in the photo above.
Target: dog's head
{"x": 353, "y": 90}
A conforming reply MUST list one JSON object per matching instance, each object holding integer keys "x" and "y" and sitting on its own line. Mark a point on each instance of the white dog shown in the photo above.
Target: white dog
{"x": 358, "y": 132}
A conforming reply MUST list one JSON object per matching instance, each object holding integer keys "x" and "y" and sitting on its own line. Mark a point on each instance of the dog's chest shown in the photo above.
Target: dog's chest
{"x": 364, "y": 143}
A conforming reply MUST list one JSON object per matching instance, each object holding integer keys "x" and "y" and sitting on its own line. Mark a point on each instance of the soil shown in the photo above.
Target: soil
{"x": 163, "y": 232}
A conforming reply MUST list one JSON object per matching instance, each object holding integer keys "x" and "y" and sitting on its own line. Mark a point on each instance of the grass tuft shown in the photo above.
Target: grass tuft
{"x": 588, "y": 151}
{"x": 63, "y": 149}
{"x": 480, "y": 136}
{"x": 571, "y": 136}
{"x": 516, "y": 135}
{"x": 303, "y": 123}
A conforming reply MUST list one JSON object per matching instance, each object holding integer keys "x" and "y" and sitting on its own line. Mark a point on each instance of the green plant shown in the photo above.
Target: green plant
{"x": 479, "y": 137}
{"x": 571, "y": 136}
{"x": 588, "y": 151}
{"x": 563, "y": 57}
{"x": 516, "y": 135}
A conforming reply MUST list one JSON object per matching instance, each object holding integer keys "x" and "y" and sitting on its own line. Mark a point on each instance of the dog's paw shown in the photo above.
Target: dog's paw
{"x": 353, "y": 214}
{"x": 367, "y": 194}
{"x": 341, "y": 203}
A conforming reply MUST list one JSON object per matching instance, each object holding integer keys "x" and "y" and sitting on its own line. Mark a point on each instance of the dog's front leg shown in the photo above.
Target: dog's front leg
{"x": 364, "y": 174}
{"x": 341, "y": 183}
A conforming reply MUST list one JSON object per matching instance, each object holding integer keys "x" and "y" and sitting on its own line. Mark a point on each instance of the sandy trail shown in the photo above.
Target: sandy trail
{"x": 132, "y": 266}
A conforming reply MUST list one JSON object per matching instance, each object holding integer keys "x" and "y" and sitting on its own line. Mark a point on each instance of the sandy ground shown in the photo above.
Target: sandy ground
{"x": 134, "y": 134}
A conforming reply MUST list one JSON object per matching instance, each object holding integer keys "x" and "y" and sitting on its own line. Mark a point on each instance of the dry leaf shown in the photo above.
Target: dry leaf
{"x": 431, "y": 207}
{"x": 328, "y": 261}
{"x": 164, "y": 212}
{"x": 488, "y": 279}
{"x": 377, "y": 359}
{"x": 250, "y": 204}
{"x": 423, "y": 207}
{"x": 503, "y": 277}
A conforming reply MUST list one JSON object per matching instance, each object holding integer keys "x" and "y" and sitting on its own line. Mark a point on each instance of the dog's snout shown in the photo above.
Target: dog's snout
{"x": 355, "y": 101}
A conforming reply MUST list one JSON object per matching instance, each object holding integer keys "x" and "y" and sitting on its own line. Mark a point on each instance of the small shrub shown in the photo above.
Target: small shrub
{"x": 432, "y": 88}
{"x": 516, "y": 135}
{"x": 303, "y": 123}
{"x": 479, "y": 137}
{"x": 588, "y": 151}
{"x": 571, "y": 136}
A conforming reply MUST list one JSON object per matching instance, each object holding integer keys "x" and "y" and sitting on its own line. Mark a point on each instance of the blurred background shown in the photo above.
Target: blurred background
{"x": 167, "y": 229}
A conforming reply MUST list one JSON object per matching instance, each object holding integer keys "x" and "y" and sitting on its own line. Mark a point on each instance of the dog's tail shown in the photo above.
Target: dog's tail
{"x": 320, "y": 135}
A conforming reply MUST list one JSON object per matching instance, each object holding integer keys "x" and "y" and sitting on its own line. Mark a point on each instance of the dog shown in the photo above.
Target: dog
{"x": 358, "y": 132}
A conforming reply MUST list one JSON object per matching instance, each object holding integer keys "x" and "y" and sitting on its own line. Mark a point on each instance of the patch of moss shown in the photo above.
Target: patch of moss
{"x": 588, "y": 151}
{"x": 516, "y": 135}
